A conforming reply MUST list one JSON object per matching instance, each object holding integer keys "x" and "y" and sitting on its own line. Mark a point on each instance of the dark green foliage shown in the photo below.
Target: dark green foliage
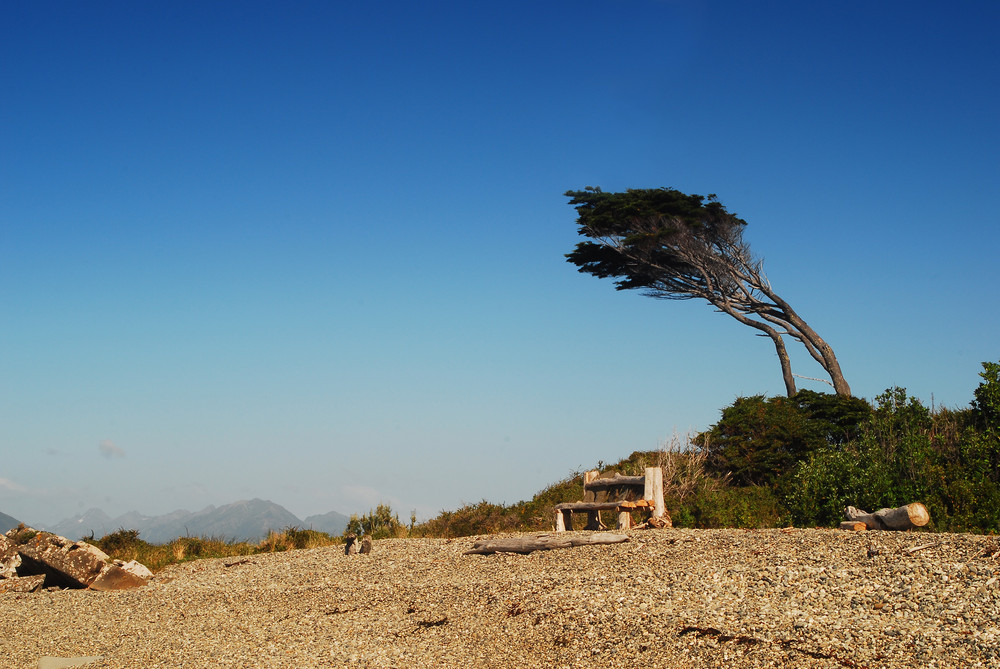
{"x": 837, "y": 418}
{"x": 987, "y": 402}
{"x": 759, "y": 440}
{"x": 624, "y": 215}
{"x": 675, "y": 246}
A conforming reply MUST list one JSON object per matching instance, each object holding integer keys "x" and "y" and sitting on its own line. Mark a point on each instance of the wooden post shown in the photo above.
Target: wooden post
{"x": 594, "y": 521}
{"x": 653, "y": 490}
{"x": 624, "y": 519}
{"x": 559, "y": 522}
{"x": 588, "y": 495}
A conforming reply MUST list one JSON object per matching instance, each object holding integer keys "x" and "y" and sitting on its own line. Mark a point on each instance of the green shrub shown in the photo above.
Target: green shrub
{"x": 732, "y": 506}
{"x": 379, "y": 523}
{"x": 758, "y": 440}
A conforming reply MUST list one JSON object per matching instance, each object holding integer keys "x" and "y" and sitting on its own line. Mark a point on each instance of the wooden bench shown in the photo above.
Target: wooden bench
{"x": 614, "y": 492}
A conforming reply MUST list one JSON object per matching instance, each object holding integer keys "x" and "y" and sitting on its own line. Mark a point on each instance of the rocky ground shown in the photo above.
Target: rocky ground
{"x": 666, "y": 598}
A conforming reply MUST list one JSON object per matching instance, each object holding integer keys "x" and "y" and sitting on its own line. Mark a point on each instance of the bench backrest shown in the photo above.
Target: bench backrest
{"x": 612, "y": 487}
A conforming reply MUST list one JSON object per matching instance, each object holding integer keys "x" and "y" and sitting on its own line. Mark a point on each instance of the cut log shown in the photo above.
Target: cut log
{"x": 543, "y": 542}
{"x": 597, "y": 506}
{"x": 901, "y": 518}
{"x": 616, "y": 481}
{"x": 853, "y": 526}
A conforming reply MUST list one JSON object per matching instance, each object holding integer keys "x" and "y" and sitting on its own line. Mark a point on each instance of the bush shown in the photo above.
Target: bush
{"x": 905, "y": 453}
{"x": 292, "y": 538}
{"x": 759, "y": 440}
{"x": 379, "y": 523}
{"x": 729, "y": 506}
{"x": 123, "y": 544}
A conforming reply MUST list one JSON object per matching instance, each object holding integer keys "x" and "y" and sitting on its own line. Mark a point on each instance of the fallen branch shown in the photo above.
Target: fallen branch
{"x": 543, "y": 542}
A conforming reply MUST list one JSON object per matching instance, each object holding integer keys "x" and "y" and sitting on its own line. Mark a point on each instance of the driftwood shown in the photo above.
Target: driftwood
{"x": 543, "y": 542}
{"x": 901, "y": 518}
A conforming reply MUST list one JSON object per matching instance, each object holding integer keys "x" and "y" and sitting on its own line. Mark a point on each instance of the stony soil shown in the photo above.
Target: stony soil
{"x": 666, "y": 598}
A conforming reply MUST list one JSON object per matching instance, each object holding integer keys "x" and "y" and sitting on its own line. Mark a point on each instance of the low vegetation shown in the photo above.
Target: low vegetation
{"x": 126, "y": 545}
{"x": 768, "y": 462}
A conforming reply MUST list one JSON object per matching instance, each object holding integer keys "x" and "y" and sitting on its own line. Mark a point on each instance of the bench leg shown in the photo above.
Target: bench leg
{"x": 624, "y": 520}
{"x": 594, "y": 521}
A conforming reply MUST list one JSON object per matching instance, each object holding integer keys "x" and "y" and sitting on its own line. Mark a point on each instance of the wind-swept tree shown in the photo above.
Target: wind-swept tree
{"x": 674, "y": 246}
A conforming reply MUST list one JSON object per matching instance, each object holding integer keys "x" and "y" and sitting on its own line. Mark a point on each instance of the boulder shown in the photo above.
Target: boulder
{"x": 366, "y": 544}
{"x": 135, "y": 568}
{"x": 22, "y": 583}
{"x": 67, "y": 564}
{"x": 10, "y": 559}
{"x": 114, "y": 577}
{"x": 62, "y": 563}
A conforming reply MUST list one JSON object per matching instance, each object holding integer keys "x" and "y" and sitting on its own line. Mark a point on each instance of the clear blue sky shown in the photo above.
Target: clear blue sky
{"x": 313, "y": 252}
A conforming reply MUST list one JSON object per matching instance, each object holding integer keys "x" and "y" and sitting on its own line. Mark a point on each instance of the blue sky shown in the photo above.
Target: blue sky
{"x": 313, "y": 252}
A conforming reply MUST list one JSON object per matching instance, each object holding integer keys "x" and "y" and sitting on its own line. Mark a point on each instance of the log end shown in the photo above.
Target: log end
{"x": 853, "y": 526}
{"x": 918, "y": 514}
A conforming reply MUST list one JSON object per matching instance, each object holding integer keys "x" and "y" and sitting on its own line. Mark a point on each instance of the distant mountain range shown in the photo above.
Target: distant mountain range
{"x": 246, "y": 520}
{"x": 9, "y": 523}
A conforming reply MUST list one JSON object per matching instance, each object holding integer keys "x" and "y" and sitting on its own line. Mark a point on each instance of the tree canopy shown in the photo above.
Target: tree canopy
{"x": 675, "y": 246}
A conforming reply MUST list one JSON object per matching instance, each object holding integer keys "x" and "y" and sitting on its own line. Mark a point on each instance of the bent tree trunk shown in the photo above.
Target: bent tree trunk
{"x": 816, "y": 345}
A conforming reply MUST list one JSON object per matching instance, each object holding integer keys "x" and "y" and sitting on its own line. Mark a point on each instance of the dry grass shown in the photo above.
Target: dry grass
{"x": 126, "y": 545}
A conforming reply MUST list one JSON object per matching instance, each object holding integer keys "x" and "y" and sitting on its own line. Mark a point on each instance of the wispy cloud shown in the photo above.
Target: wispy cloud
{"x": 110, "y": 450}
{"x": 9, "y": 486}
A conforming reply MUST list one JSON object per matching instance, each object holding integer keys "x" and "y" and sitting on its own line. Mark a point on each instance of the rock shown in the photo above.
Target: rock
{"x": 115, "y": 577}
{"x": 10, "y": 559}
{"x": 366, "y": 545}
{"x": 62, "y": 662}
{"x": 135, "y": 568}
{"x": 22, "y": 583}
{"x": 351, "y": 547}
{"x": 68, "y": 564}
{"x": 77, "y": 564}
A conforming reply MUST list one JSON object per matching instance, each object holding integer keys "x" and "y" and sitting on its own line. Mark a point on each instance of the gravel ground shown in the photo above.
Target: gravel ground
{"x": 666, "y": 598}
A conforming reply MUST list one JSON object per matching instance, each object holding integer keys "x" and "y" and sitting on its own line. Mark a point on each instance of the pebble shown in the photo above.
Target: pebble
{"x": 667, "y": 598}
